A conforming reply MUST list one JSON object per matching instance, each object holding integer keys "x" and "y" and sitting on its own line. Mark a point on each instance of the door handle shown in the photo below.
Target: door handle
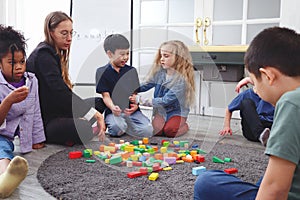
{"x": 198, "y": 24}
{"x": 206, "y": 25}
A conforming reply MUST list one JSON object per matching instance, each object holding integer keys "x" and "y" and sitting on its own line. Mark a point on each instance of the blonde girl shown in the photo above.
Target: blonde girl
{"x": 172, "y": 76}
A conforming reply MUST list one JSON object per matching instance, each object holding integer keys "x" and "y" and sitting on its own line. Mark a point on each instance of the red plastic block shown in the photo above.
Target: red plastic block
{"x": 137, "y": 164}
{"x": 231, "y": 170}
{"x": 136, "y": 174}
{"x": 75, "y": 154}
{"x": 199, "y": 158}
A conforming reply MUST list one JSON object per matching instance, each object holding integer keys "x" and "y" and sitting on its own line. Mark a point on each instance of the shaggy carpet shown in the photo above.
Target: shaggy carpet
{"x": 66, "y": 178}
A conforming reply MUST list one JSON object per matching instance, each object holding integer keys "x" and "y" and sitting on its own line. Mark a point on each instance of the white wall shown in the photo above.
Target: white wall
{"x": 290, "y": 15}
{"x": 28, "y": 16}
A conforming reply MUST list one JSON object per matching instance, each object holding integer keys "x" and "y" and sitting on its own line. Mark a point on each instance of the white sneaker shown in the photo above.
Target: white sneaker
{"x": 264, "y": 136}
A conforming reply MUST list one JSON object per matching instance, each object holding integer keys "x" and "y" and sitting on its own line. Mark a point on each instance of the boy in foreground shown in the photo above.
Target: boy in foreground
{"x": 273, "y": 62}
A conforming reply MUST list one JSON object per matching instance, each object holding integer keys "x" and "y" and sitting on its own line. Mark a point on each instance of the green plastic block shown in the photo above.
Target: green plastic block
{"x": 102, "y": 157}
{"x": 166, "y": 143}
{"x": 215, "y": 159}
{"x": 115, "y": 160}
{"x": 227, "y": 159}
{"x": 134, "y": 142}
{"x": 90, "y": 161}
{"x": 181, "y": 143}
{"x": 86, "y": 153}
{"x": 200, "y": 151}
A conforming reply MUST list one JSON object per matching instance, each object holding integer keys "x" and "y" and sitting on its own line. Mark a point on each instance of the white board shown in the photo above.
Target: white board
{"x": 93, "y": 20}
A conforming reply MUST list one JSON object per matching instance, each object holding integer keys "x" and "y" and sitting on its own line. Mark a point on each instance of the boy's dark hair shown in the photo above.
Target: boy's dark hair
{"x": 276, "y": 47}
{"x": 11, "y": 40}
{"x": 115, "y": 41}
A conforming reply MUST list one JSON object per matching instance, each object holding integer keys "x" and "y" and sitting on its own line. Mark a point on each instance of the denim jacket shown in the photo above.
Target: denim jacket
{"x": 169, "y": 97}
{"x": 24, "y": 118}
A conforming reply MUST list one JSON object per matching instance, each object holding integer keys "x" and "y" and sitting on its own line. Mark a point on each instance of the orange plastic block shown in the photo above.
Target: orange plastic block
{"x": 112, "y": 144}
{"x": 193, "y": 153}
{"x": 187, "y": 159}
{"x": 155, "y": 148}
{"x": 125, "y": 155}
{"x": 158, "y": 156}
{"x": 145, "y": 140}
{"x": 172, "y": 154}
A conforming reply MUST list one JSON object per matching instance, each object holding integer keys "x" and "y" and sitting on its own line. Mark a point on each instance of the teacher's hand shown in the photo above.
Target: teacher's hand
{"x": 101, "y": 125}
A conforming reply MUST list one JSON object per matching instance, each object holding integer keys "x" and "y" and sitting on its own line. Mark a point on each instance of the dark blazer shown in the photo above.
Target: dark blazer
{"x": 56, "y": 98}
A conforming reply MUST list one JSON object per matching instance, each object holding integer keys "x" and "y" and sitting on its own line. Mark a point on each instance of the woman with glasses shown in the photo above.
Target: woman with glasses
{"x": 67, "y": 118}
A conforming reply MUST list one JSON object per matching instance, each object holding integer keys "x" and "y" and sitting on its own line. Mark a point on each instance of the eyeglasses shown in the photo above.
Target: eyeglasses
{"x": 65, "y": 34}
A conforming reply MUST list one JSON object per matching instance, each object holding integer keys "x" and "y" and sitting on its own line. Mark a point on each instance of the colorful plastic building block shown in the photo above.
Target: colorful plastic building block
{"x": 231, "y": 170}
{"x": 227, "y": 159}
{"x": 115, "y": 160}
{"x": 215, "y": 159}
{"x": 90, "y": 161}
{"x": 75, "y": 154}
{"x": 199, "y": 158}
{"x": 136, "y": 174}
{"x": 197, "y": 170}
{"x": 153, "y": 176}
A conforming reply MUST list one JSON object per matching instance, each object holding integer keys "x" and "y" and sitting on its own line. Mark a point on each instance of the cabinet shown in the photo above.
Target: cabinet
{"x": 200, "y": 23}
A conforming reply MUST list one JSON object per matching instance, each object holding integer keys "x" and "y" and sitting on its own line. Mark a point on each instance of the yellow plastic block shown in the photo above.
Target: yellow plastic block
{"x": 153, "y": 176}
{"x": 163, "y": 149}
{"x": 134, "y": 157}
{"x": 167, "y": 168}
{"x": 129, "y": 148}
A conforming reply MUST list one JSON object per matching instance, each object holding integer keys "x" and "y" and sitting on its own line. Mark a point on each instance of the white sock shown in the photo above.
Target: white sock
{"x": 15, "y": 173}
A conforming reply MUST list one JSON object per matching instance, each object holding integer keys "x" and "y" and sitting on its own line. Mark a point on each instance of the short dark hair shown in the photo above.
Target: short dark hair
{"x": 277, "y": 47}
{"x": 115, "y": 41}
{"x": 11, "y": 40}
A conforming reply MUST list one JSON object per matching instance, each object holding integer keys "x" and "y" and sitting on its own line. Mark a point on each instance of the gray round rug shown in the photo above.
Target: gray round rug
{"x": 66, "y": 178}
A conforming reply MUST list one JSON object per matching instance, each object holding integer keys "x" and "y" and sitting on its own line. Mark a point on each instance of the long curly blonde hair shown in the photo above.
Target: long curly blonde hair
{"x": 183, "y": 65}
{"x": 51, "y": 22}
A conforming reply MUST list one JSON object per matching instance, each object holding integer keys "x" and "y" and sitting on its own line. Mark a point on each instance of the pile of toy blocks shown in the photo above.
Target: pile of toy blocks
{"x": 145, "y": 158}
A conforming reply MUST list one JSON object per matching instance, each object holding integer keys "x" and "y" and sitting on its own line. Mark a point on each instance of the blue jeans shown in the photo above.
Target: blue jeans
{"x": 216, "y": 184}
{"x": 136, "y": 124}
{"x": 6, "y": 148}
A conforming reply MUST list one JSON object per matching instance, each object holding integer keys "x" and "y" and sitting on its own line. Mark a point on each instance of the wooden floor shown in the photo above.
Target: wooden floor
{"x": 201, "y": 127}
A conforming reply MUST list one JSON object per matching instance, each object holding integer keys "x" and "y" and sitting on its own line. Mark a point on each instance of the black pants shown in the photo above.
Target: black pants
{"x": 252, "y": 126}
{"x": 73, "y": 130}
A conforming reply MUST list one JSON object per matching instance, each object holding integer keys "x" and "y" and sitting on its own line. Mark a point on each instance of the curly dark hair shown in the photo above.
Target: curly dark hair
{"x": 11, "y": 40}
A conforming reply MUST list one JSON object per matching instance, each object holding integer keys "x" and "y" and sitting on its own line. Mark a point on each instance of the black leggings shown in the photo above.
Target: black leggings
{"x": 252, "y": 126}
{"x": 67, "y": 131}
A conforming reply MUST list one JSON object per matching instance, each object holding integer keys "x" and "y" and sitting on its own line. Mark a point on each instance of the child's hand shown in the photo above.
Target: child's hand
{"x": 242, "y": 83}
{"x": 18, "y": 95}
{"x": 38, "y": 145}
{"x": 226, "y": 131}
{"x": 116, "y": 110}
{"x": 132, "y": 109}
